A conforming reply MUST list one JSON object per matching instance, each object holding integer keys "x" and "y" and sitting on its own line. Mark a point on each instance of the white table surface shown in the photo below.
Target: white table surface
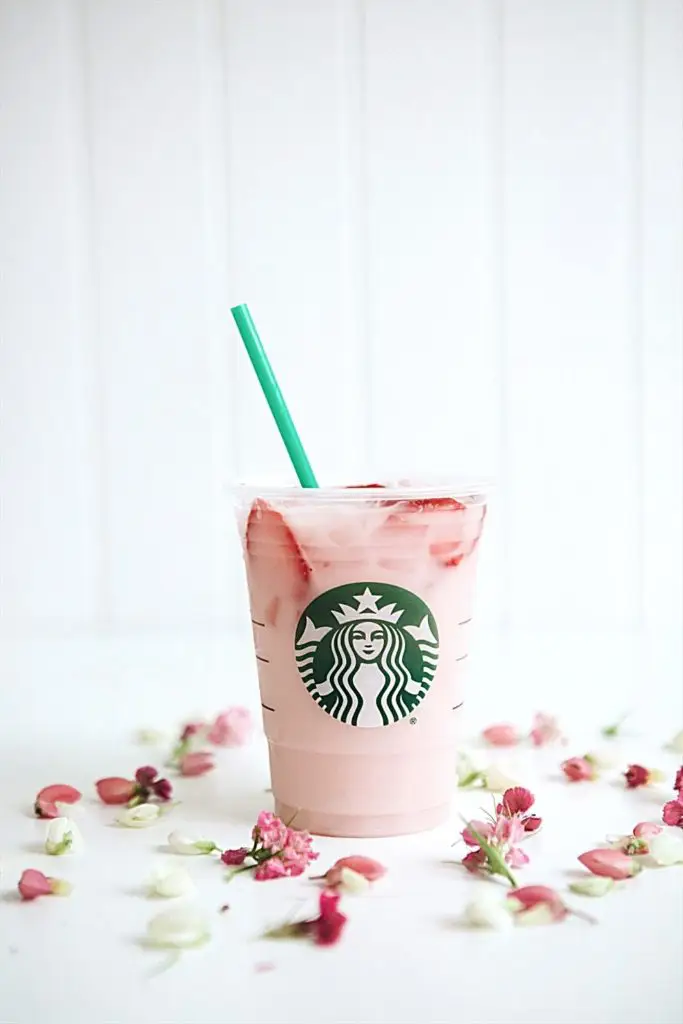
{"x": 69, "y": 708}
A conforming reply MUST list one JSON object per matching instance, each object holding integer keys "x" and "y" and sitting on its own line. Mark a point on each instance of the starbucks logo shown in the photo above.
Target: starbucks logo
{"x": 367, "y": 652}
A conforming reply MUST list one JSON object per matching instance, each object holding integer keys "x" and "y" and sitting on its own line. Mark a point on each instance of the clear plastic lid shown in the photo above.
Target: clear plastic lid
{"x": 473, "y": 489}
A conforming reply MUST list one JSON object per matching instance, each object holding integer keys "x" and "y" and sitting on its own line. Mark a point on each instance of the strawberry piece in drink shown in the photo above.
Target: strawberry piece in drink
{"x": 272, "y": 546}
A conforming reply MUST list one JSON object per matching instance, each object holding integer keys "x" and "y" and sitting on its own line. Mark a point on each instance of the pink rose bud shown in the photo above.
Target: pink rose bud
{"x": 578, "y": 769}
{"x": 610, "y": 864}
{"x": 115, "y": 790}
{"x": 45, "y": 804}
{"x": 33, "y": 884}
{"x": 501, "y": 735}
{"x": 198, "y": 763}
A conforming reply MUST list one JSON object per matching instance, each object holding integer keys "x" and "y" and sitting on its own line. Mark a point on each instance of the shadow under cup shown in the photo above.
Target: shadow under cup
{"x": 361, "y": 604}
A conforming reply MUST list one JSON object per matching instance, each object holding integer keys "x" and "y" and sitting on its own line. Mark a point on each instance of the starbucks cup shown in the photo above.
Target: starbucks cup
{"x": 361, "y": 608}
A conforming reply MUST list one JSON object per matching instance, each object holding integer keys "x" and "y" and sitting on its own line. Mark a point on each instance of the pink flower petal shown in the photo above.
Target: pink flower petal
{"x": 531, "y": 896}
{"x": 115, "y": 790}
{"x": 516, "y": 857}
{"x": 578, "y": 769}
{"x": 501, "y": 735}
{"x": 45, "y": 804}
{"x": 198, "y": 763}
{"x": 365, "y": 866}
{"x": 647, "y": 829}
{"x": 483, "y": 828}
{"x": 532, "y": 822}
{"x": 609, "y": 863}
{"x": 34, "y": 883}
{"x": 231, "y": 728}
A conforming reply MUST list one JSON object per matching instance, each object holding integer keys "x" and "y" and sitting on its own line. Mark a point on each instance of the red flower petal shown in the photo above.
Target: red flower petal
{"x": 530, "y": 896}
{"x": 517, "y": 800}
{"x": 45, "y": 805}
{"x": 115, "y": 790}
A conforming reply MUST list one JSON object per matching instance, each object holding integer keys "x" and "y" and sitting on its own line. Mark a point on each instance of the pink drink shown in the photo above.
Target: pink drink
{"x": 361, "y": 603}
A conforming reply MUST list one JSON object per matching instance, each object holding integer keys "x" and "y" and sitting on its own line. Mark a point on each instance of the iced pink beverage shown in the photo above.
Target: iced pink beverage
{"x": 361, "y": 604}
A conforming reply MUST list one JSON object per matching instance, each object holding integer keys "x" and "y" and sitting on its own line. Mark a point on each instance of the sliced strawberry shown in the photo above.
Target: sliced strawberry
{"x": 45, "y": 804}
{"x": 432, "y": 504}
{"x": 362, "y": 487}
{"x": 269, "y": 534}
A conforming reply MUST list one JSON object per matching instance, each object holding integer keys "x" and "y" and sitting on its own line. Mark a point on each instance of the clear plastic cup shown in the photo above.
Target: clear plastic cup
{"x": 361, "y": 603}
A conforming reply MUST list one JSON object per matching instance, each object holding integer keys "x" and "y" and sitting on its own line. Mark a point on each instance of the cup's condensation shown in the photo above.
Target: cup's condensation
{"x": 361, "y": 603}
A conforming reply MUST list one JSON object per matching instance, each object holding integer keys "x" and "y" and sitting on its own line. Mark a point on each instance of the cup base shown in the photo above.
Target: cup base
{"x": 359, "y": 826}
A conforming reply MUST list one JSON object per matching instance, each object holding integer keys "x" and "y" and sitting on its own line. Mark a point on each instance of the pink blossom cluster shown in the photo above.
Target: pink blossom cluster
{"x": 510, "y": 826}
{"x": 277, "y": 851}
{"x": 672, "y": 811}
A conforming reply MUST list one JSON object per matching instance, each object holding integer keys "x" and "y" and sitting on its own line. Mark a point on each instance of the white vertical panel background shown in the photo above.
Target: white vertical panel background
{"x": 459, "y": 227}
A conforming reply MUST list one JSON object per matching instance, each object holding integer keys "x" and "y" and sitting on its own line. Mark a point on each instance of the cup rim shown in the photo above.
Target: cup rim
{"x": 392, "y": 489}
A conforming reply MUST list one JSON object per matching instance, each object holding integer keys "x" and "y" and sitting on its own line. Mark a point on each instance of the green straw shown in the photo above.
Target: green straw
{"x": 271, "y": 389}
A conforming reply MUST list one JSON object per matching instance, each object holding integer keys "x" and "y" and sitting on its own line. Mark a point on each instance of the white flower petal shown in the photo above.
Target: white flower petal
{"x": 140, "y": 816}
{"x": 497, "y": 780}
{"x": 676, "y": 743}
{"x": 603, "y": 758}
{"x": 489, "y": 910}
{"x": 171, "y": 882}
{"x": 352, "y": 881}
{"x": 540, "y": 914}
{"x": 178, "y": 928}
{"x": 593, "y": 885}
{"x": 189, "y": 846}
{"x": 666, "y": 849}
{"x": 63, "y": 836}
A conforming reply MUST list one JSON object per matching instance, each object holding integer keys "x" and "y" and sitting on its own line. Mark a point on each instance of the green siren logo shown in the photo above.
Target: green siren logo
{"x": 367, "y": 652}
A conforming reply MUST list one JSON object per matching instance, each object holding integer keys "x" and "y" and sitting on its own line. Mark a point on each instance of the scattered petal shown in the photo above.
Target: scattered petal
{"x": 579, "y": 769}
{"x": 368, "y": 868}
{"x": 592, "y": 885}
{"x": 610, "y": 732}
{"x": 353, "y": 882}
{"x": 198, "y": 763}
{"x": 488, "y": 910}
{"x": 63, "y": 836}
{"x": 496, "y": 780}
{"x": 647, "y": 829}
{"x": 545, "y": 730}
{"x": 676, "y": 743}
{"x": 47, "y": 800}
{"x": 468, "y": 773}
{"x": 115, "y": 790}
{"x": 264, "y": 967}
{"x": 501, "y": 735}
{"x": 610, "y": 863}
{"x": 34, "y": 883}
{"x": 602, "y": 759}
{"x": 188, "y": 846}
{"x": 637, "y": 775}
{"x": 666, "y": 849}
{"x": 232, "y": 728}
{"x": 140, "y": 816}
{"x": 171, "y": 882}
{"x": 537, "y": 904}
{"x": 178, "y": 928}
{"x": 150, "y": 737}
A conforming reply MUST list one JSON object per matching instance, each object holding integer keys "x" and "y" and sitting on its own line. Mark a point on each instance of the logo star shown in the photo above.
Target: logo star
{"x": 367, "y": 601}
